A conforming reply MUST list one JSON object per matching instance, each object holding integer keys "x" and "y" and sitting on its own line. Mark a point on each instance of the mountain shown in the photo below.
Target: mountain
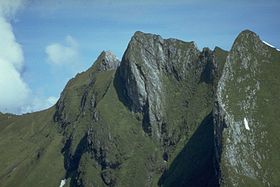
{"x": 167, "y": 114}
{"x": 248, "y": 110}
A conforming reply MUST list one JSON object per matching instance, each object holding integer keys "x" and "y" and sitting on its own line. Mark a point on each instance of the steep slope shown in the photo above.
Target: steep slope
{"x": 121, "y": 121}
{"x": 132, "y": 122}
{"x": 169, "y": 84}
{"x": 167, "y": 114}
{"x": 30, "y": 150}
{"x": 248, "y": 110}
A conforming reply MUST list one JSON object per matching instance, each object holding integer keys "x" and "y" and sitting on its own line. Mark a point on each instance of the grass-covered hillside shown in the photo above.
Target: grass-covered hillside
{"x": 160, "y": 116}
{"x": 249, "y": 95}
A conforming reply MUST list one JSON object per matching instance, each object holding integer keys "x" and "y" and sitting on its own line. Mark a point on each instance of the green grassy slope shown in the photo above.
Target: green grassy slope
{"x": 29, "y": 147}
{"x": 92, "y": 137}
{"x": 250, "y": 89}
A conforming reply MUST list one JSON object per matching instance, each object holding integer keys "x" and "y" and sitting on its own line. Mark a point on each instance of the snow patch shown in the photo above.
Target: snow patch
{"x": 270, "y": 45}
{"x": 246, "y": 124}
{"x": 62, "y": 183}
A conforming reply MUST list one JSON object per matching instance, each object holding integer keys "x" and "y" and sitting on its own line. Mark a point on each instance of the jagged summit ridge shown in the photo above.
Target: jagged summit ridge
{"x": 153, "y": 119}
{"x": 147, "y": 60}
{"x": 161, "y": 77}
{"x": 80, "y": 90}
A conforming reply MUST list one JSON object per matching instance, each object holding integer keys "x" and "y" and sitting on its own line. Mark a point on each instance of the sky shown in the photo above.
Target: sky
{"x": 44, "y": 43}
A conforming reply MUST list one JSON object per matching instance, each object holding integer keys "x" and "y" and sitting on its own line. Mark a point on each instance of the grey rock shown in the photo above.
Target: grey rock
{"x": 66, "y": 110}
{"x": 108, "y": 177}
{"x": 107, "y": 61}
{"x": 243, "y": 152}
{"x": 147, "y": 59}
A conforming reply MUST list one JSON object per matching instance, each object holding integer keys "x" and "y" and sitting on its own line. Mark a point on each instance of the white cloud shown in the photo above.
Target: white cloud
{"x": 10, "y": 50}
{"x": 15, "y": 94}
{"x": 14, "y": 91}
{"x": 60, "y": 54}
{"x": 38, "y": 104}
{"x": 52, "y": 100}
{"x": 8, "y": 8}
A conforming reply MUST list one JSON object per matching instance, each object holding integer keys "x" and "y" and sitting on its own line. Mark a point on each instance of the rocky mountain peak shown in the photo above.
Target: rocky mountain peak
{"x": 79, "y": 93}
{"x": 247, "y": 33}
{"x": 246, "y": 38}
{"x": 245, "y": 83}
{"x": 149, "y": 61}
{"x": 107, "y": 61}
{"x": 167, "y": 115}
{"x": 146, "y": 37}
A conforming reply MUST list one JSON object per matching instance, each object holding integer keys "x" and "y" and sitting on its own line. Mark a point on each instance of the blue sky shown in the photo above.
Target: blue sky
{"x": 59, "y": 38}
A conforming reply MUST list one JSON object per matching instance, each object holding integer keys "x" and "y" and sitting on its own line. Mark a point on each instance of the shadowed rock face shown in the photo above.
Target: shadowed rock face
{"x": 147, "y": 58}
{"x": 167, "y": 114}
{"x": 159, "y": 84}
{"x": 147, "y": 62}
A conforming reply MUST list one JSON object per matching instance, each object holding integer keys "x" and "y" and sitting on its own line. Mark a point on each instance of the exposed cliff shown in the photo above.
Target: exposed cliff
{"x": 246, "y": 116}
{"x": 167, "y": 114}
{"x": 133, "y": 121}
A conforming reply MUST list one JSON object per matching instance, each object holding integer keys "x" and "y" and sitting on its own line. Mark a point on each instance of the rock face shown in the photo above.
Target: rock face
{"x": 146, "y": 64}
{"x": 126, "y": 123}
{"x": 247, "y": 112}
{"x": 167, "y": 114}
{"x": 107, "y": 61}
{"x": 77, "y": 114}
{"x": 79, "y": 95}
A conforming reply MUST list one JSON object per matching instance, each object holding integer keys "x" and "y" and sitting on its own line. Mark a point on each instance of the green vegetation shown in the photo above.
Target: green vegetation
{"x": 251, "y": 91}
{"x": 30, "y": 154}
{"x": 95, "y": 136}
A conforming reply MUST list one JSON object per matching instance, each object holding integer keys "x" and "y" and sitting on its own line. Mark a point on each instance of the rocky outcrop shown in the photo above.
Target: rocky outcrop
{"x": 77, "y": 114}
{"x": 79, "y": 94}
{"x": 141, "y": 71}
{"x": 145, "y": 64}
{"x": 107, "y": 61}
{"x": 242, "y": 128}
{"x": 167, "y": 115}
